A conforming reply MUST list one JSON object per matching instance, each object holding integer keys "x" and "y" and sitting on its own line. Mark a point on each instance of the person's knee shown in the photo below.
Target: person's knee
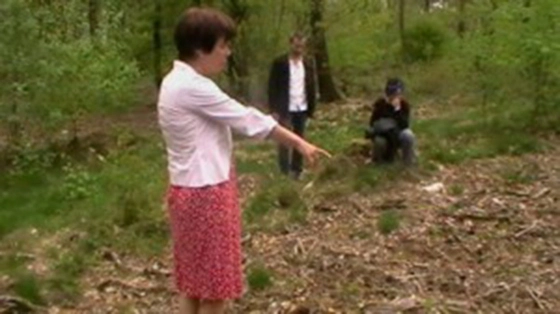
{"x": 407, "y": 137}
{"x": 380, "y": 142}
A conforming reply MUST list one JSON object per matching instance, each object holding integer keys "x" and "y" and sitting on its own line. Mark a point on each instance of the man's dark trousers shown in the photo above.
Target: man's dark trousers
{"x": 290, "y": 160}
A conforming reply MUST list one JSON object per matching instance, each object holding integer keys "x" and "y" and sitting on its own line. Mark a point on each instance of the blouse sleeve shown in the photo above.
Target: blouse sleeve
{"x": 207, "y": 99}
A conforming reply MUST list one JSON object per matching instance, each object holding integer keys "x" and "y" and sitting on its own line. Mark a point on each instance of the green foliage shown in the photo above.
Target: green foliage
{"x": 78, "y": 183}
{"x": 259, "y": 278}
{"x": 56, "y": 72}
{"x": 28, "y": 287}
{"x": 370, "y": 176}
{"x": 494, "y": 91}
{"x": 456, "y": 189}
{"x": 281, "y": 195}
{"x": 335, "y": 169}
{"x": 518, "y": 43}
{"x": 388, "y": 222}
{"x": 63, "y": 283}
{"x": 515, "y": 175}
{"x": 30, "y": 160}
{"x": 424, "y": 42}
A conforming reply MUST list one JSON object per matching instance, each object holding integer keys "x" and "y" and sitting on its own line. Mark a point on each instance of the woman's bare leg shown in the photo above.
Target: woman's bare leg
{"x": 188, "y": 306}
{"x": 212, "y": 307}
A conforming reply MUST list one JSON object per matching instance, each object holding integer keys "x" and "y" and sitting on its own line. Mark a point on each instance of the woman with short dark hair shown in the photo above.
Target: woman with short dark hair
{"x": 196, "y": 119}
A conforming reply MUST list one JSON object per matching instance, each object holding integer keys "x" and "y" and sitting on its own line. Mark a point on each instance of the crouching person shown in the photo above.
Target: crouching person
{"x": 389, "y": 126}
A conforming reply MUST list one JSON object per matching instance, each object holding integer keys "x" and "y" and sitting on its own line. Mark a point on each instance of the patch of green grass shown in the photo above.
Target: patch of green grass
{"x": 12, "y": 263}
{"x": 477, "y": 133}
{"x": 29, "y": 200}
{"x": 371, "y": 176}
{"x": 279, "y": 194}
{"x": 351, "y": 291}
{"x": 259, "y": 278}
{"x": 336, "y": 169}
{"x": 361, "y": 234}
{"x": 515, "y": 144}
{"x": 517, "y": 176}
{"x": 456, "y": 189}
{"x": 388, "y": 222}
{"x": 334, "y": 190}
{"x": 28, "y": 287}
{"x": 259, "y": 205}
{"x": 115, "y": 202}
{"x": 335, "y": 136}
{"x": 257, "y": 166}
{"x": 430, "y": 304}
{"x": 68, "y": 267}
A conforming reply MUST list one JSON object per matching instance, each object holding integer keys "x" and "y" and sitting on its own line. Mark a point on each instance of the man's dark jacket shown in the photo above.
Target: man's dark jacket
{"x": 279, "y": 86}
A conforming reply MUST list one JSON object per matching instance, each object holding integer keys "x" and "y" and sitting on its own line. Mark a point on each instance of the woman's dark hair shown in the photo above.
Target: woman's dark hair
{"x": 200, "y": 29}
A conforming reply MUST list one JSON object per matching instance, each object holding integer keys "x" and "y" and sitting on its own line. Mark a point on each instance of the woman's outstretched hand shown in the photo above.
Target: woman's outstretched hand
{"x": 312, "y": 153}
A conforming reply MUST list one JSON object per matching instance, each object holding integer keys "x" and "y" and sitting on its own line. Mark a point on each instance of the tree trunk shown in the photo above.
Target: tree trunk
{"x": 427, "y": 5}
{"x": 238, "y": 67}
{"x": 401, "y": 21}
{"x": 93, "y": 16}
{"x": 527, "y": 5}
{"x": 327, "y": 88}
{"x": 14, "y": 126}
{"x": 462, "y": 25}
{"x": 157, "y": 43}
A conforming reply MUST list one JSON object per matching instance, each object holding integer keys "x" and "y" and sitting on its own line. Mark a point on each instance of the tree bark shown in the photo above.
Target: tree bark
{"x": 427, "y": 5}
{"x": 462, "y": 25}
{"x": 526, "y": 4}
{"x": 401, "y": 21}
{"x": 238, "y": 67}
{"x": 327, "y": 88}
{"x": 93, "y": 16}
{"x": 157, "y": 42}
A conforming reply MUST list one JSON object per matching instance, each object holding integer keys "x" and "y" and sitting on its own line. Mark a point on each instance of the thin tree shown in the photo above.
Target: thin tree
{"x": 238, "y": 66}
{"x": 462, "y": 25}
{"x": 327, "y": 88}
{"x": 427, "y": 5}
{"x": 93, "y": 16}
{"x": 157, "y": 42}
{"x": 401, "y": 21}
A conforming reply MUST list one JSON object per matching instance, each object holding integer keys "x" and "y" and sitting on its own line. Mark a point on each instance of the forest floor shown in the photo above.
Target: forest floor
{"x": 478, "y": 236}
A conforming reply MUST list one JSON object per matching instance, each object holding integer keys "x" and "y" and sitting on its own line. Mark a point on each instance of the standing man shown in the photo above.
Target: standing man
{"x": 291, "y": 97}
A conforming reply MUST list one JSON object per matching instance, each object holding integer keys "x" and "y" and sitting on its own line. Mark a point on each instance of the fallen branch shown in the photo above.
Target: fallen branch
{"x": 114, "y": 283}
{"x": 541, "y": 193}
{"x": 11, "y": 304}
{"x": 459, "y": 240}
{"x": 536, "y": 299}
{"x": 502, "y": 287}
{"x": 527, "y": 230}
{"x": 17, "y": 255}
{"x": 465, "y": 216}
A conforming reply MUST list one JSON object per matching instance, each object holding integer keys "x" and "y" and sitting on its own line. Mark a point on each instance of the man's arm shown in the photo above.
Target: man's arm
{"x": 273, "y": 87}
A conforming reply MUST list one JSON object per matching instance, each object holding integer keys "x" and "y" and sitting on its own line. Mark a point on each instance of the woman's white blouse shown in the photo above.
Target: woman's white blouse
{"x": 196, "y": 119}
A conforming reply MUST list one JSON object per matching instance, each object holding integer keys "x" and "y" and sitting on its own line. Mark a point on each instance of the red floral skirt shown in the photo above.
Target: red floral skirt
{"x": 206, "y": 233}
